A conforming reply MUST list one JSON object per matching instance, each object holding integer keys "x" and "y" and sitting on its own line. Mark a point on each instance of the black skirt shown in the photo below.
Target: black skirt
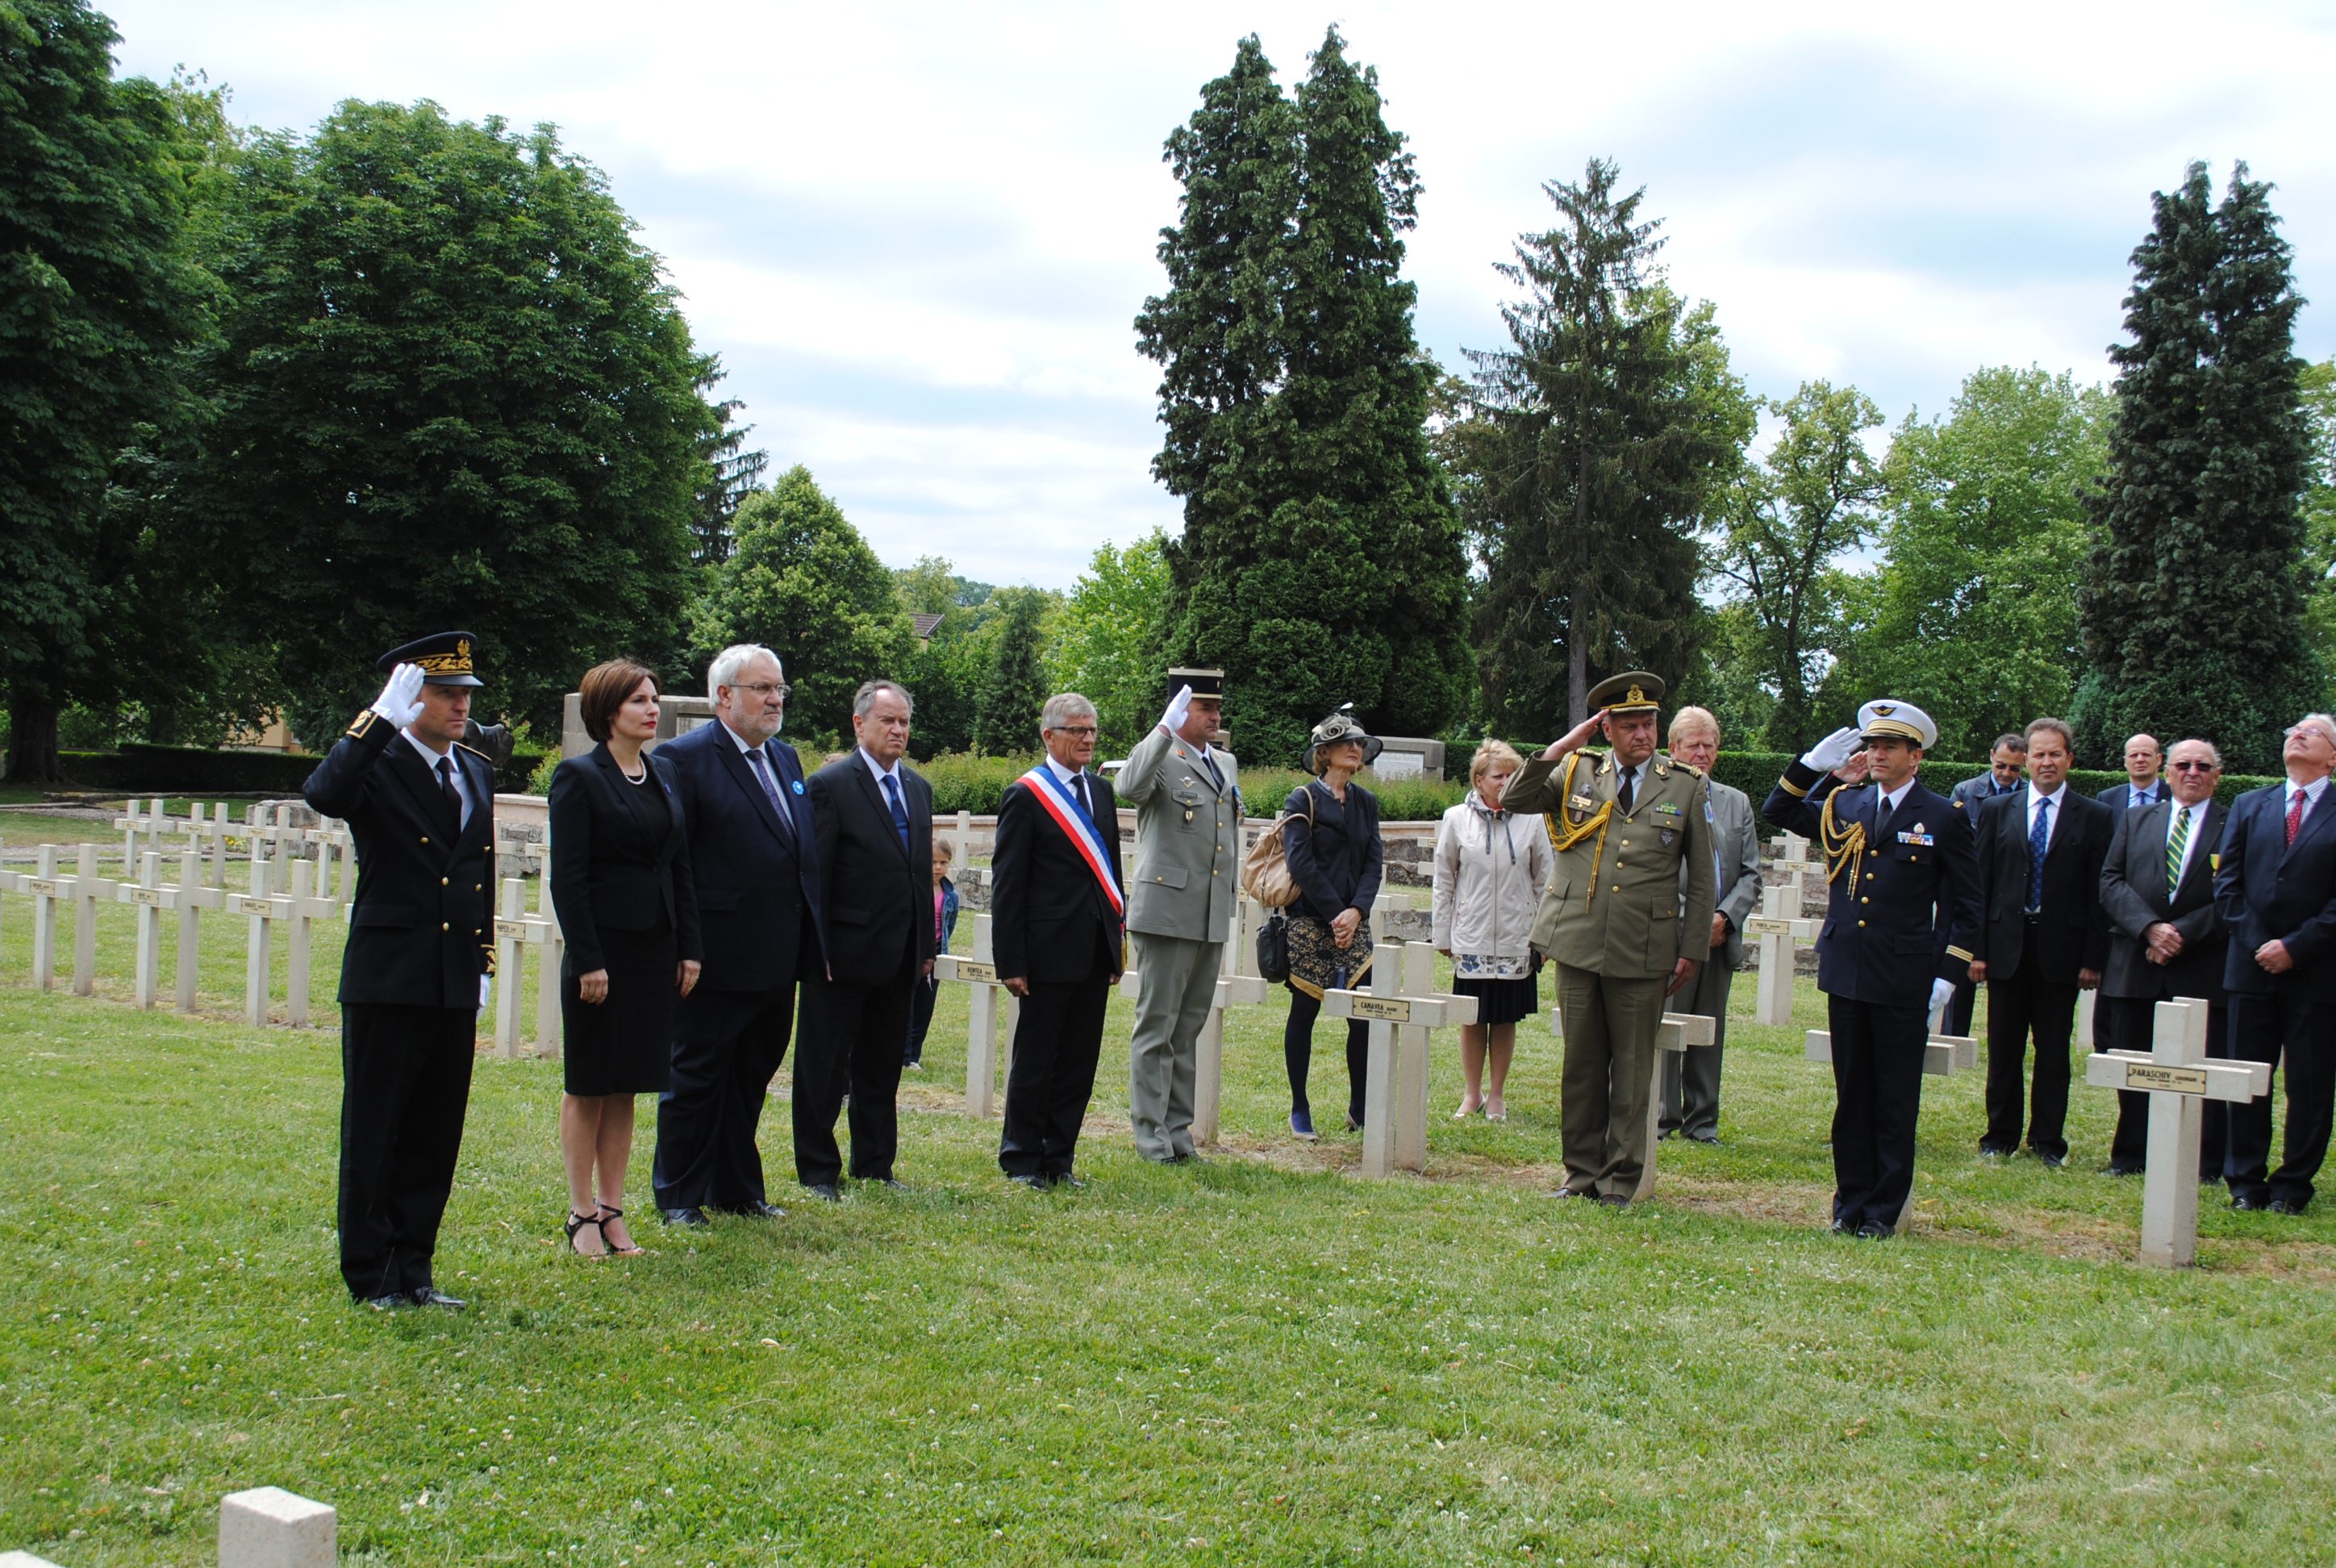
{"x": 624, "y": 1046}
{"x": 1500, "y": 1001}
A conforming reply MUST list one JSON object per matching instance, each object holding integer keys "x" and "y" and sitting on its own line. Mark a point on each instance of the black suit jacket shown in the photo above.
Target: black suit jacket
{"x": 2271, "y": 891}
{"x": 2135, "y": 897}
{"x": 2072, "y": 930}
{"x": 422, "y": 927}
{"x": 1907, "y": 913}
{"x": 757, "y": 884}
{"x": 613, "y": 868}
{"x": 2118, "y": 796}
{"x": 872, "y": 888}
{"x": 1053, "y": 920}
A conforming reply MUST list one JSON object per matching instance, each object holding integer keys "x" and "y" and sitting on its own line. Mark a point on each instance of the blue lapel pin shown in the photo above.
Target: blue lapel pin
{"x": 798, "y": 786}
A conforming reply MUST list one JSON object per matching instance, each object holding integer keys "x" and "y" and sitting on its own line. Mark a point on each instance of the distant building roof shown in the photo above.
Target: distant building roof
{"x": 924, "y": 625}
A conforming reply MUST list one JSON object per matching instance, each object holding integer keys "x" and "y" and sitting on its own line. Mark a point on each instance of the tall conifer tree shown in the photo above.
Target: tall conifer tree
{"x": 2193, "y": 605}
{"x": 1321, "y": 560}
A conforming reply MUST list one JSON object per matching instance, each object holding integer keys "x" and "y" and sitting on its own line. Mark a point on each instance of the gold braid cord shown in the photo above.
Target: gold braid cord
{"x": 1841, "y": 847}
{"x": 1576, "y": 832}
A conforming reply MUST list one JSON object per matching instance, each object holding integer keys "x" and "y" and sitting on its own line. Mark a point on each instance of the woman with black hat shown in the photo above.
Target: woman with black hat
{"x": 1331, "y": 843}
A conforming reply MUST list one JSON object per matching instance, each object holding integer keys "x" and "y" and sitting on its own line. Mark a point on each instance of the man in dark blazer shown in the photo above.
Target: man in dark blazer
{"x": 752, "y": 844}
{"x": 2276, "y": 888}
{"x": 421, "y": 810}
{"x": 2146, "y": 784}
{"x": 1058, "y": 928}
{"x": 2043, "y": 938}
{"x": 2007, "y": 766}
{"x": 874, "y": 821}
{"x": 1903, "y": 912}
{"x": 2167, "y": 939}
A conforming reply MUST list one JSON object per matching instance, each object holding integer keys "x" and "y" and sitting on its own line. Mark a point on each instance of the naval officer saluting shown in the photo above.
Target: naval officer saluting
{"x": 421, "y": 808}
{"x": 1901, "y": 925}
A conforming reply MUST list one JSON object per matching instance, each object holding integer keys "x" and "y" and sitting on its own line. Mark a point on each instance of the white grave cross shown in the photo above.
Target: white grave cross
{"x": 1780, "y": 926}
{"x": 1402, "y": 1007}
{"x": 984, "y": 1059}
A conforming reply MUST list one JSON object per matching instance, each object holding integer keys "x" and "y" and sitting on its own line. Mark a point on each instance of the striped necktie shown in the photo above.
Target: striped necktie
{"x": 2175, "y": 842}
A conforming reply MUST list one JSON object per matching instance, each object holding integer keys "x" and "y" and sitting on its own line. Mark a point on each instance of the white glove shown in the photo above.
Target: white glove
{"x": 1833, "y": 750}
{"x": 1942, "y": 993}
{"x": 486, "y": 991}
{"x": 400, "y": 701}
{"x": 1172, "y": 721}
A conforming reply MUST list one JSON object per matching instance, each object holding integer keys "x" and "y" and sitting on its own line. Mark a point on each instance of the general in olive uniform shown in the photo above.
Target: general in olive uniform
{"x": 420, "y": 807}
{"x": 1901, "y": 922}
{"x": 1180, "y": 903}
{"x": 1627, "y": 918}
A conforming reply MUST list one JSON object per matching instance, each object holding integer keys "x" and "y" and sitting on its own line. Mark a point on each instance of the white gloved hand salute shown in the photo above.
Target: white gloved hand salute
{"x": 400, "y": 701}
{"x": 1942, "y": 993}
{"x": 1833, "y": 750}
{"x": 1179, "y": 706}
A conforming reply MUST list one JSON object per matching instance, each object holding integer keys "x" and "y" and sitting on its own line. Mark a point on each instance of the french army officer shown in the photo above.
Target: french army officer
{"x": 1187, "y": 886}
{"x": 421, "y": 808}
{"x": 1625, "y": 923}
{"x": 1901, "y": 922}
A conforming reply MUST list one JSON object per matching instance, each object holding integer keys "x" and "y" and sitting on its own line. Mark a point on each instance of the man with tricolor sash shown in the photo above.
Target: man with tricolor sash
{"x": 1059, "y": 915}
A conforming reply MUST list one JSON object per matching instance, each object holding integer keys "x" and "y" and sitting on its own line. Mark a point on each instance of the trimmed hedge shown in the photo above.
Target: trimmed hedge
{"x": 140, "y": 769}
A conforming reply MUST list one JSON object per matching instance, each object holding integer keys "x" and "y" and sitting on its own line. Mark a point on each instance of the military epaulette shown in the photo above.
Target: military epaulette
{"x": 1957, "y": 804}
{"x": 1690, "y": 766}
{"x": 475, "y": 752}
{"x": 362, "y": 724}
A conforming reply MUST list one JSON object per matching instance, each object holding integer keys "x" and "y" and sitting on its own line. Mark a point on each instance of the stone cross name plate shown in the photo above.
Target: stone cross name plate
{"x": 2167, "y": 1080}
{"x": 512, "y": 930}
{"x": 979, "y": 974}
{"x": 1389, "y": 1011}
{"x": 40, "y": 887}
{"x": 147, "y": 896}
{"x": 1769, "y": 926}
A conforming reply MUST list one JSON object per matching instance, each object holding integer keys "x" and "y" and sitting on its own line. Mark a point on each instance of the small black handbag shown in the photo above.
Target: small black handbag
{"x": 1273, "y": 948}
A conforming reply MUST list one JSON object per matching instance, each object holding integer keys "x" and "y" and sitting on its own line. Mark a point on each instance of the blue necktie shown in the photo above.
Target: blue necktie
{"x": 761, "y": 769}
{"x": 899, "y": 816}
{"x": 2039, "y": 839}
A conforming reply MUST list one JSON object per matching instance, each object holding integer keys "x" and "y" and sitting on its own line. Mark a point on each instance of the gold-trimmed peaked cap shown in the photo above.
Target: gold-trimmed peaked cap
{"x": 444, "y": 657}
{"x": 1203, "y": 682}
{"x": 1887, "y": 717}
{"x": 1632, "y": 691}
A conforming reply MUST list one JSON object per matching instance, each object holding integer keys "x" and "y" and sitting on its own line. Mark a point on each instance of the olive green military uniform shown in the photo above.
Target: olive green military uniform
{"x": 1611, "y": 920}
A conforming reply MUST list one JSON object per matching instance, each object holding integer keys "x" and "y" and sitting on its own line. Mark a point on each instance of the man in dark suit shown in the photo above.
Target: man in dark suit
{"x": 2145, "y": 776}
{"x": 1059, "y": 911}
{"x": 421, "y": 809}
{"x": 874, "y": 821}
{"x": 2276, "y": 888}
{"x": 2006, "y": 767}
{"x": 1902, "y": 914}
{"x": 753, "y": 847}
{"x": 2167, "y": 939}
{"x": 2043, "y": 938}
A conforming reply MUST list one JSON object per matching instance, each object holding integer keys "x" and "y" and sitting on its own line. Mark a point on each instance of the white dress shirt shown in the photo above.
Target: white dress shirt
{"x": 2060, "y": 799}
{"x": 2138, "y": 798}
{"x": 1890, "y": 802}
{"x": 431, "y": 758}
{"x": 882, "y": 772}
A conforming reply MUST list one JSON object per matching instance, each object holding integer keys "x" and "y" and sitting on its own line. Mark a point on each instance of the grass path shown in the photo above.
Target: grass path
{"x": 1259, "y": 1361}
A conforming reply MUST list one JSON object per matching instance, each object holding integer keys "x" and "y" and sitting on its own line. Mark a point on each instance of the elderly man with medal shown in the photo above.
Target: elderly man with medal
{"x": 421, "y": 809}
{"x": 1059, "y": 916}
{"x": 1627, "y": 918}
{"x": 1901, "y": 925}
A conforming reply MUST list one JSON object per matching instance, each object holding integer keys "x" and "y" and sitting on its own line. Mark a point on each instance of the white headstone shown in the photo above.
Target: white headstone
{"x": 269, "y": 1527}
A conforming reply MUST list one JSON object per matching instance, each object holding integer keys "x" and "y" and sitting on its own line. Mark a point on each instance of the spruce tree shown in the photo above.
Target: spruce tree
{"x": 2193, "y": 602}
{"x": 1321, "y": 560}
{"x": 1006, "y": 719}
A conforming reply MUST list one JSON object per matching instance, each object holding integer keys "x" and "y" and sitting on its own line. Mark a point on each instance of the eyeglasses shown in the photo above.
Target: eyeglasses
{"x": 1077, "y": 732}
{"x": 2294, "y": 730}
{"x": 2193, "y": 767}
{"x": 765, "y": 688}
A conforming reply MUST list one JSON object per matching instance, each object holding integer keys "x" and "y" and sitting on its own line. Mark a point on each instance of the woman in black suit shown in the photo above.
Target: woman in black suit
{"x": 1331, "y": 842}
{"x": 621, "y": 884}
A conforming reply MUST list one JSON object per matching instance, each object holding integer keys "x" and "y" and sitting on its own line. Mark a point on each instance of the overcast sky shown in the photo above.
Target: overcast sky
{"x": 917, "y": 236}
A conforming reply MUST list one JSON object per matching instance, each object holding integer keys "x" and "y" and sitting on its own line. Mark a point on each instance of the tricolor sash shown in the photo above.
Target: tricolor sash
{"x": 1064, "y": 807}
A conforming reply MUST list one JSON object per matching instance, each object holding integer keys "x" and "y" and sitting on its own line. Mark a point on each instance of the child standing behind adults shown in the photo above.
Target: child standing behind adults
{"x": 921, "y": 1005}
{"x": 1491, "y": 865}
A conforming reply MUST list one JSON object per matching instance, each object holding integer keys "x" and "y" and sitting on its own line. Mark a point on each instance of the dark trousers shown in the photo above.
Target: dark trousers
{"x": 921, "y": 1017}
{"x": 2261, "y": 1027}
{"x": 2017, "y": 1004}
{"x": 849, "y": 1041}
{"x": 1056, "y": 1040}
{"x": 406, "y": 1084}
{"x": 1960, "y": 1008}
{"x": 727, "y": 1049}
{"x": 2135, "y": 1030}
{"x": 1298, "y": 1054}
{"x": 1691, "y": 1076}
{"x": 1877, "y": 1082}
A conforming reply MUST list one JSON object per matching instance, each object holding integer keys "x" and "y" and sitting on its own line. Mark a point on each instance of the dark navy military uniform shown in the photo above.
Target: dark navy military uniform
{"x": 1904, "y": 912}
{"x": 421, "y": 933}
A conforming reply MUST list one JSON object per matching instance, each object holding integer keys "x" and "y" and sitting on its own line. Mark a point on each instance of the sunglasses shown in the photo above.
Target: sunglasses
{"x": 2192, "y": 767}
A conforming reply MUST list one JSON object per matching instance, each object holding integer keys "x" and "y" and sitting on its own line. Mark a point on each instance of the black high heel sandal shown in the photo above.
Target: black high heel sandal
{"x": 576, "y": 1223}
{"x": 608, "y": 1214}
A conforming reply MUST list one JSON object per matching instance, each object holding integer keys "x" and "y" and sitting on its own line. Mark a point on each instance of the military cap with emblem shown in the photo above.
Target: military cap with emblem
{"x": 444, "y": 658}
{"x": 1888, "y": 718}
{"x": 1340, "y": 725}
{"x": 1632, "y": 691}
{"x": 1203, "y": 682}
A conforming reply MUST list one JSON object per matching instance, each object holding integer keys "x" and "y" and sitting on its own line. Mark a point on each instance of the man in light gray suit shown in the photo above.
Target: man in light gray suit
{"x": 1180, "y": 903}
{"x": 1691, "y": 1078}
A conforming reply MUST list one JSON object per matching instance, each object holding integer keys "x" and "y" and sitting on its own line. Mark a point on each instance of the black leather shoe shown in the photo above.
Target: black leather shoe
{"x": 2053, "y": 1162}
{"x": 431, "y": 1296}
{"x": 889, "y": 1181}
{"x": 1996, "y": 1151}
{"x": 1615, "y": 1200}
{"x": 1564, "y": 1192}
{"x": 1033, "y": 1183}
{"x": 1189, "y": 1157}
{"x": 1842, "y": 1227}
{"x": 2286, "y": 1206}
{"x": 2248, "y": 1204}
{"x": 692, "y": 1215}
{"x": 1709, "y": 1140}
{"x": 1875, "y": 1231}
{"x": 825, "y": 1192}
{"x": 755, "y": 1209}
{"x": 387, "y": 1303}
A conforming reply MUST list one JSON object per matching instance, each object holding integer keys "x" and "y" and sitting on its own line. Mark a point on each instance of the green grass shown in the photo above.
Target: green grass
{"x": 1259, "y": 1361}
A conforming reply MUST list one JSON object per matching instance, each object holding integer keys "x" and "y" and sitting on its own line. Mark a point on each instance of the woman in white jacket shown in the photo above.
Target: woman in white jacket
{"x": 1491, "y": 866}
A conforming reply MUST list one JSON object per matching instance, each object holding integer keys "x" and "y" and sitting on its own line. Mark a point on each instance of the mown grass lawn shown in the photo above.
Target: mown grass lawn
{"x": 1257, "y": 1360}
